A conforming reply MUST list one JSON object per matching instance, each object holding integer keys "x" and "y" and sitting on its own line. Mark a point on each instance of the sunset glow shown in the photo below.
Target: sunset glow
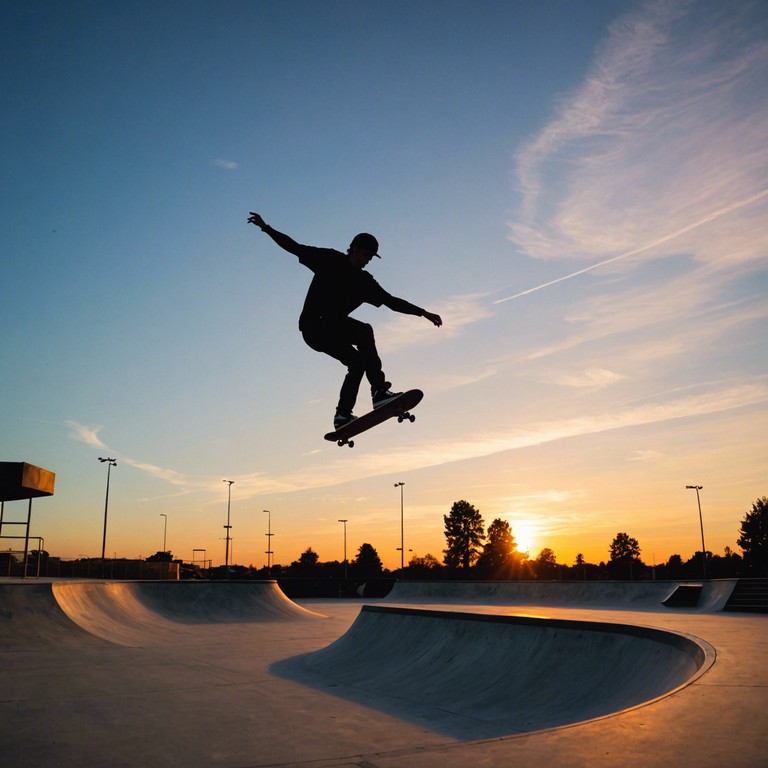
{"x": 526, "y": 539}
{"x": 579, "y": 190}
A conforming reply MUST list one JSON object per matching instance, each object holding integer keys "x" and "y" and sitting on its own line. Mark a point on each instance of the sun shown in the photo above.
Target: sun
{"x": 525, "y": 536}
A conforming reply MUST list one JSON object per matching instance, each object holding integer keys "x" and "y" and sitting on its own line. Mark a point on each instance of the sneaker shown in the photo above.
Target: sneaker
{"x": 342, "y": 419}
{"x": 383, "y": 396}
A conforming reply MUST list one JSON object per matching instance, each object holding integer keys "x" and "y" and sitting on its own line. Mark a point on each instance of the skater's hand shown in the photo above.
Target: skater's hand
{"x": 254, "y": 218}
{"x": 433, "y": 318}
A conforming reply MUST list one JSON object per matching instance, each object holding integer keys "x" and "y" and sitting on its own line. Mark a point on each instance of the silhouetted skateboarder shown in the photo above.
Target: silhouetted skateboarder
{"x": 339, "y": 286}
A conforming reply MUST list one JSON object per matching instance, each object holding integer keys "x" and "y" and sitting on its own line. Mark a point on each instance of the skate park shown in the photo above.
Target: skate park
{"x": 435, "y": 674}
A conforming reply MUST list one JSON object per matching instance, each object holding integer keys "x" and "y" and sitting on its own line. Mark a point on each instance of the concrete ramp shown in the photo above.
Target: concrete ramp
{"x": 136, "y": 613}
{"x": 31, "y": 618}
{"x": 624, "y": 595}
{"x": 475, "y": 676}
{"x": 684, "y": 596}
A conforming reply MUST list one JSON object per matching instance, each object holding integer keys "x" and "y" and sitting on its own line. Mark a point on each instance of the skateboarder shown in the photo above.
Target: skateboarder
{"x": 339, "y": 286}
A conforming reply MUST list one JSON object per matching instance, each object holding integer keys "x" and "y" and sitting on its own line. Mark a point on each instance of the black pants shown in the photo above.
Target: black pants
{"x": 351, "y": 343}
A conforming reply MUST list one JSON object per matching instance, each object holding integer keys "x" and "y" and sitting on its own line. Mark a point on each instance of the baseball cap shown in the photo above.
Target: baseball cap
{"x": 367, "y": 242}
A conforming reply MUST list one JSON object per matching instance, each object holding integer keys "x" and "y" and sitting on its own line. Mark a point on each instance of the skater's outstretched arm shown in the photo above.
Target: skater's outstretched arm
{"x": 436, "y": 320}
{"x": 285, "y": 242}
{"x": 406, "y": 308}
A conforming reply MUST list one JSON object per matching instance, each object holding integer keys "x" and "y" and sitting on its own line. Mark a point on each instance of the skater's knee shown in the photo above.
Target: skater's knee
{"x": 366, "y": 332}
{"x": 355, "y": 364}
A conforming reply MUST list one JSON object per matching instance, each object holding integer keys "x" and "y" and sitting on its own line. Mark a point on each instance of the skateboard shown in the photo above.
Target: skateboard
{"x": 398, "y": 406}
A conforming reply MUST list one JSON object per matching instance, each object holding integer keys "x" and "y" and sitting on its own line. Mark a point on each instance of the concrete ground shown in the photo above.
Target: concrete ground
{"x": 134, "y": 674}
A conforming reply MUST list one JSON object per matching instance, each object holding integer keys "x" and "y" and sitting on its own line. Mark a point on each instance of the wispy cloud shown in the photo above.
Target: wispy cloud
{"x": 673, "y": 316}
{"x": 85, "y": 434}
{"x": 662, "y": 149}
{"x": 169, "y": 475}
{"x": 591, "y": 379}
{"x": 485, "y": 444}
{"x": 227, "y": 165}
{"x": 90, "y": 436}
{"x": 457, "y": 312}
{"x": 649, "y": 456}
{"x": 718, "y": 400}
{"x": 650, "y": 246}
{"x": 336, "y": 471}
{"x": 245, "y": 486}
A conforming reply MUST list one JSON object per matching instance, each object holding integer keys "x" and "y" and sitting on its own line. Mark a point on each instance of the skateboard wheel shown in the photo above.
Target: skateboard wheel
{"x": 411, "y": 418}
{"x": 351, "y": 443}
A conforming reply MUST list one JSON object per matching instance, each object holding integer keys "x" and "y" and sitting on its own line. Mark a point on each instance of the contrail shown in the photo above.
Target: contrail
{"x": 660, "y": 241}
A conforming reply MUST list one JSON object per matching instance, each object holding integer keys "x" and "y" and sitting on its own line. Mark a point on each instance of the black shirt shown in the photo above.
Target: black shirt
{"x": 338, "y": 288}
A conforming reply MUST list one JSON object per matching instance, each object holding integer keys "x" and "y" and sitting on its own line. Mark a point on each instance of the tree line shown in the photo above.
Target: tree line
{"x": 472, "y": 552}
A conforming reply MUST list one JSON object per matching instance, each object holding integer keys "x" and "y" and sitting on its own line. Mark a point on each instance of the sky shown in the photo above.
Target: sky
{"x": 578, "y": 189}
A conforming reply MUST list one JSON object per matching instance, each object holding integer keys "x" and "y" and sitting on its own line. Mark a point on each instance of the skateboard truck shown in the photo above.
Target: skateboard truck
{"x": 399, "y": 406}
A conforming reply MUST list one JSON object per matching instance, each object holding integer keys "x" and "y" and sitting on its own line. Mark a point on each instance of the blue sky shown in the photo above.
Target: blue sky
{"x": 577, "y": 188}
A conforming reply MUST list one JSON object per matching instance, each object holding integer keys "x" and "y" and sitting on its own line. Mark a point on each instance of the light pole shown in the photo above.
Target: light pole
{"x": 227, "y": 527}
{"x": 697, "y": 488}
{"x": 110, "y": 463}
{"x": 269, "y": 535}
{"x": 165, "y": 529}
{"x": 194, "y": 554}
{"x": 402, "y": 532}
{"x": 345, "y": 546}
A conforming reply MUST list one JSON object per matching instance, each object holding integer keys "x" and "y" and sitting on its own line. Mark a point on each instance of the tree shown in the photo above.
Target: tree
{"x": 546, "y": 564}
{"x": 426, "y": 567}
{"x": 624, "y": 547}
{"x": 753, "y": 539}
{"x": 307, "y": 565}
{"x": 498, "y": 557}
{"x": 625, "y": 553}
{"x": 367, "y": 562}
{"x": 674, "y": 567}
{"x": 464, "y": 533}
{"x": 160, "y": 557}
{"x": 308, "y": 558}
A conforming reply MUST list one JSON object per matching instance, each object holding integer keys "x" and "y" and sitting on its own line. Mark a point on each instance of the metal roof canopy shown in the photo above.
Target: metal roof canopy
{"x": 19, "y": 480}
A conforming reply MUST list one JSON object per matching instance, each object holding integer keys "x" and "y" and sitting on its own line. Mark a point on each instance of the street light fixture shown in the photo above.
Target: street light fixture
{"x": 402, "y": 532}
{"x": 269, "y": 536}
{"x": 345, "y": 546}
{"x": 194, "y": 557}
{"x": 110, "y": 463}
{"x": 165, "y": 530}
{"x": 399, "y": 549}
{"x": 227, "y": 527}
{"x": 697, "y": 488}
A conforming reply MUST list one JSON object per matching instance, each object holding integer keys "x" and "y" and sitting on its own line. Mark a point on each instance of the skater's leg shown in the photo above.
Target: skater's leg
{"x": 361, "y": 335}
{"x": 335, "y": 340}
{"x": 365, "y": 341}
{"x": 349, "y": 389}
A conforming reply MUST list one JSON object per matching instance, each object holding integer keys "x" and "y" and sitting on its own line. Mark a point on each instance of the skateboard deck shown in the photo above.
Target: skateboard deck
{"x": 398, "y": 406}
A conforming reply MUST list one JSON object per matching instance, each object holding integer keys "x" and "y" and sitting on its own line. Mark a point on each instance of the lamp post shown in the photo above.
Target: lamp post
{"x": 194, "y": 556}
{"x": 269, "y": 535}
{"x": 697, "y": 488}
{"x": 345, "y": 546}
{"x": 402, "y": 532}
{"x": 227, "y": 527}
{"x": 165, "y": 529}
{"x": 110, "y": 463}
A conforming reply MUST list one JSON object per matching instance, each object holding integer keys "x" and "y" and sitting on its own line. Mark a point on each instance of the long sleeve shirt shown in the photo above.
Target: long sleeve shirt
{"x": 338, "y": 288}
